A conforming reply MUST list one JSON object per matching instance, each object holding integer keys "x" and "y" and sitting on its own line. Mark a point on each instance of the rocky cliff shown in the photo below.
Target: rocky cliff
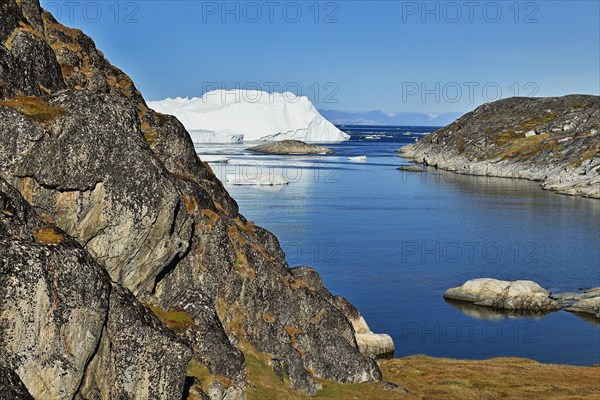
{"x": 126, "y": 269}
{"x": 553, "y": 140}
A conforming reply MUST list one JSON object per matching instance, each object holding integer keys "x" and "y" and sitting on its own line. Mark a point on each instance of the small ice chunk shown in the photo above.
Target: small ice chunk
{"x": 358, "y": 159}
{"x": 257, "y": 180}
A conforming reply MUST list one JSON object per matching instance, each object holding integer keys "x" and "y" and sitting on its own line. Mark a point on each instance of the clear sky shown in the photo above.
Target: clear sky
{"x": 395, "y": 56}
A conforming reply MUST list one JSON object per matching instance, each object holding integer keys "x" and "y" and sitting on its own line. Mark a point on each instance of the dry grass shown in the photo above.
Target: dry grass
{"x": 49, "y": 236}
{"x": 178, "y": 321}
{"x": 505, "y": 137}
{"x": 500, "y": 378}
{"x": 190, "y": 203}
{"x": 593, "y": 151}
{"x": 534, "y": 122}
{"x": 150, "y": 137}
{"x": 527, "y": 147}
{"x": 198, "y": 371}
{"x": 440, "y": 379}
{"x": 213, "y": 217}
{"x": 23, "y": 27}
{"x": 34, "y": 108}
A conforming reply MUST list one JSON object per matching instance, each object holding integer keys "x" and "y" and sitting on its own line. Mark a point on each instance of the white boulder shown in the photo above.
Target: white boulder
{"x": 517, "y": 295}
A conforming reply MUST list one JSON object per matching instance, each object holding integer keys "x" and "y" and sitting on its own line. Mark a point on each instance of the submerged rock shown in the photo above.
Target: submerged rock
{"x": 290, "y": 147}
{"x": 412, "y": 168}
{"x": 517, "y": 295}
{"x": 587, "y": 302}
{"x": 587, "y": 306}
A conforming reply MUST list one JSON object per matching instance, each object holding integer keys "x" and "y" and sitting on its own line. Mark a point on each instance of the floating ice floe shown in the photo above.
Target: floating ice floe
{"x": 214, "y": 159}
{"x": 254, "y": 115}
{"x": 358, "y": 159}
{"x": 257, "y": 180}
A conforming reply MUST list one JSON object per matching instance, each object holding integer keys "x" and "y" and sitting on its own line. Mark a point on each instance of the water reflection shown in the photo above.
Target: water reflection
{"x": 492, "y": 314}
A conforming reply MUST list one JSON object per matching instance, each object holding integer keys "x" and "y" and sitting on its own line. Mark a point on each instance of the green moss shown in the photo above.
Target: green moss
{"x": 67, "y": 70}
{"x": 198, "y": 371}
{"x": 179, "y": 321}
{"x": 151, "y": 138}
{"x": 533, "y": 122}
{"x": 505, "y": 137}
{"x": 34, "y": 107}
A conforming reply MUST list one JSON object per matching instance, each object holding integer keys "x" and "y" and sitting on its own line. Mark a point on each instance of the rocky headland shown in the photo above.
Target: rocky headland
{"x": 554, "y": 140}
{"x": 290, "y": 147}
{"x": 126, "y": 270}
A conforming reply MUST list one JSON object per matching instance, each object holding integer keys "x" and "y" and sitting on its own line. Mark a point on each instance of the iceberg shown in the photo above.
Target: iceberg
{"x": 204, "y": 136}
{"x": 255, "y": 115}
{"x": 358, "y": 159}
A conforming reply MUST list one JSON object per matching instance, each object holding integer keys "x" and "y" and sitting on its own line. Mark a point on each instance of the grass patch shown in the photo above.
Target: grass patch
{"x": 506, "y": 378}
{"x": 49, "y": 236}
{"x": 23, "y": 27}
{"x": 587, "y": 155}
{"x": 190, "y": 203}
{"x": 439, "y": 379}
{"x": 533, "y": 122}
{"x": 213, "y": 217}
{"x": 178, "y": 321}
{"x": 196, "y": 370}
{"x": 527, "y": 147}
{"x": 34, "y": 107}
{"x": 505, "y": 137}
{"x": 150, "y": 137}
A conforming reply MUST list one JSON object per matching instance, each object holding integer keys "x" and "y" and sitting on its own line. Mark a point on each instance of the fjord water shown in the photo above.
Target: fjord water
{"x": 392, "y": 242}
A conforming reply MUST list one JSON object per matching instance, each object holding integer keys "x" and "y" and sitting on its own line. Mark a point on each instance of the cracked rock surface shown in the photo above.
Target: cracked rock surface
{"x": 124, "y": 260}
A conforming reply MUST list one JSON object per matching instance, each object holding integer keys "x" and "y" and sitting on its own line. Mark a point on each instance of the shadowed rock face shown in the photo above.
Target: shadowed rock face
{"x": 11, "y": 386}
{"x": 553, "y": 140}
{"x": 126, "y": 208}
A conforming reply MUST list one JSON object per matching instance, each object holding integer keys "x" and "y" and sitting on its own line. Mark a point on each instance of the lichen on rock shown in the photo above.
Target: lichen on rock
{"x": 120, "y": 243}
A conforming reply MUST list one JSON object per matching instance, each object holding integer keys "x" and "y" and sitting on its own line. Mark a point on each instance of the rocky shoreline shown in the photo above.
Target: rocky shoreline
{"x": 555, "y": 141}
{"x": 524, "y": 297}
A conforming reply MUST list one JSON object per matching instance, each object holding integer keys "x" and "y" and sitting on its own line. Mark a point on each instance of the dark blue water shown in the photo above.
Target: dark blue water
{"x": 392, "y": 242}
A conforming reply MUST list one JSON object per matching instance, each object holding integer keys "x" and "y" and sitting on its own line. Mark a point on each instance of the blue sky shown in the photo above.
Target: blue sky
{"x": 395, "y": 56}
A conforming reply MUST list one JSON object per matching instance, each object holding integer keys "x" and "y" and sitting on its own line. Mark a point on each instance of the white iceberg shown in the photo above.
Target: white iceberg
{"x": 358, "y": 159}
{"x": 257, "y": 115}
{"x": 204, "y": 136}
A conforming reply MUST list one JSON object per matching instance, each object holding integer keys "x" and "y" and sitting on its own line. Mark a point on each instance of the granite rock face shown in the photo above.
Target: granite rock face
{"x": 62, "y": 317}
{"x": 494, "y": 293}
{"x": 11, "y": 387}
{"x": 553, "y": 140}
{"x": 124, "y": 243}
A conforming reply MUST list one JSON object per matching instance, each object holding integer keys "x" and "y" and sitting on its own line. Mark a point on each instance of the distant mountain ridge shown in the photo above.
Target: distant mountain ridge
{"x": 381, "y": 118}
